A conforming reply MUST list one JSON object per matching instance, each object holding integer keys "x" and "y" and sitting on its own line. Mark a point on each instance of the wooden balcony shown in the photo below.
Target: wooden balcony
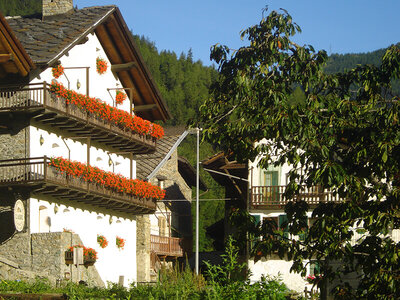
{"x": 37, "y": 106}
{"x": 271, "y": 197}
{"x": 47, "y": 183}
{"x": 166, "y": 246}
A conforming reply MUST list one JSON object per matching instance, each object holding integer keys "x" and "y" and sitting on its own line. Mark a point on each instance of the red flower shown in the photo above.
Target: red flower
{"x": 87, "y": 252}
{"x": 106, "y": 112}
{"x": 120, "y": 242}
{"x": 116, "y": 182}
{"x": 57, "y": 71}
{"x": 101, "y": 66}
{"x": 102, "y": 241}
{"x": 120, "y": 97}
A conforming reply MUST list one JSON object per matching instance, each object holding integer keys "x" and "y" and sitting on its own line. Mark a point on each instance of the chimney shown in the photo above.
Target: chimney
{"x": 56, "y": 7}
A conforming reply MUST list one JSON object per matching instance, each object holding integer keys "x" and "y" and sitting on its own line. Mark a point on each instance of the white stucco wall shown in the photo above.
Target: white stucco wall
{"x": 112, "y": 262}
{"x": 277, "y": 268}
{"x": 273, "y": 266}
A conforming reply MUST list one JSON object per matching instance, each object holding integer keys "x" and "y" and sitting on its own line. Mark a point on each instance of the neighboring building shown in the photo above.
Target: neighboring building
{"x": 40, "y": 206}
{"x": 168, "y": 232}
{"x": 260, "y": 191}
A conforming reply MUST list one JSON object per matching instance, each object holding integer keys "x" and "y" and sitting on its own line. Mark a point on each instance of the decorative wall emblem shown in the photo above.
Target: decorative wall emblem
{"x": 19, "y": 215}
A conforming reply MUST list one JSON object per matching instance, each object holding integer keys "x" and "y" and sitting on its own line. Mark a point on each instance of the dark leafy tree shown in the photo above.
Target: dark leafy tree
{"x": 344, "y": 134}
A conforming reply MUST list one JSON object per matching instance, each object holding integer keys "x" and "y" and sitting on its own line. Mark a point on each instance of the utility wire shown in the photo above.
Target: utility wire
{"x": 183, "y": 200}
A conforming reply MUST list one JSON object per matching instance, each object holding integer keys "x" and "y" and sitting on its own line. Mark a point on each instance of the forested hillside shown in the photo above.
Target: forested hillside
{"x": 20, "y": 7}
{"x": 184, "y": 85}
{"x": 341, "y": 62}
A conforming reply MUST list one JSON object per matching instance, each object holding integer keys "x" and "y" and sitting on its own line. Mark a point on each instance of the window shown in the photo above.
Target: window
{"x": 314, "y": 268}
{"x": 279, "y": 222}
{"x": 162, "y": 225}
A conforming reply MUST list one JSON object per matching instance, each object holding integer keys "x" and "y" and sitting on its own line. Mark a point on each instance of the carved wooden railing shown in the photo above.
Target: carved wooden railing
{"x": 42, "y": 179}
{"x": 270, "y": 197}
{"x": 45, "y": 108}
{"x": 167, "y": 246}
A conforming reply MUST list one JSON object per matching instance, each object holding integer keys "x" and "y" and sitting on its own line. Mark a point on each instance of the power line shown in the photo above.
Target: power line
{"x": 185, "y": 200}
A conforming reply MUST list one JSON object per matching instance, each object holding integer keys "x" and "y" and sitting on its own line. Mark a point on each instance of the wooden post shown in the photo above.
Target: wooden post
{"x": 45, "y": 167}
{"x": 131, "y": 101}
{"x": 88, "y": 151}
{"x": 87, "y": 81}
{"x": 88, "y": 158}
{"x": 131, "y": 167}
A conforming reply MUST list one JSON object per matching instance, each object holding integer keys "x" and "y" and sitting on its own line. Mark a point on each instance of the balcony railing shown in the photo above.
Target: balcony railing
{"x": 166, "y": 246}
{"x": 45, "y": 181}
{"x": 358, "y": 237}
{"x": 271, "y": 197}
{"x": 37, "y": 105}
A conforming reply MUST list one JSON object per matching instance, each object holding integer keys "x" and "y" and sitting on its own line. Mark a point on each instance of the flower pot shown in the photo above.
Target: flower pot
{"x": 88, "y": 261}
{"x": 69, "y": 257}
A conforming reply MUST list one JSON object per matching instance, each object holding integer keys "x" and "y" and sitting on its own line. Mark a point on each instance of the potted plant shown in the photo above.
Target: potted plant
{"x": 120, "y": 242}
{"x": 313, "y": 279}
{"x": 120, "y": 97}
{"x": 57, "y": 71}
{"x": 89, "y": 256}
{"x": 101, "y": 65}
{"x": 102, "y": 241}
{"x": 69, "y": 256}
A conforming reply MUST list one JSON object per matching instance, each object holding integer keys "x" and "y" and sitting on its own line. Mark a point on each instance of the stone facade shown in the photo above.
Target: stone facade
{"x": 181, "y": 225}
{"x": 27, "y": 256}
{"x": 56, "y": 7}
{"x": 143, "y": 248}
{"x": 15, "y": 146}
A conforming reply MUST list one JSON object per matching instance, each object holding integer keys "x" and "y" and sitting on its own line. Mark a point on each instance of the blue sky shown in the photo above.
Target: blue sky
{"x": 341, "y": 26}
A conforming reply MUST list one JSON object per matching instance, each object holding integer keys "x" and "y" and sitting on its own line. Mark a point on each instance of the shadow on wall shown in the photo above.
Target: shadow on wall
{"x": 7, "y": 228}
{"x": 182, "y": 220}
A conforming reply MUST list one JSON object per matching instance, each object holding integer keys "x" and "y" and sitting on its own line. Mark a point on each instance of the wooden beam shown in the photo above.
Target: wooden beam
{"x": 145, "y": 107}
{"x": 233, "y": 165}
{"x": 123, "y": 67}
{"x": 6, "y": 57}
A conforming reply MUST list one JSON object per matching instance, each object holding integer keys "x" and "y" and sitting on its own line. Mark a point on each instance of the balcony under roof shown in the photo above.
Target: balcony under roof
{"x": 36, "y": 105}
{"x": 36, "y": 176}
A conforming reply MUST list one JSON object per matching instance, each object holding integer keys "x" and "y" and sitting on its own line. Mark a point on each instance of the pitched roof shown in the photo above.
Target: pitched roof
{"x": 46, "y": 40}
{"x": 188, "y": 173}
{"x": 49, "y": 39}
{"x": 231, "y": 174}
{"x": 13, "y": 57}
{"x": 146, "y": 163}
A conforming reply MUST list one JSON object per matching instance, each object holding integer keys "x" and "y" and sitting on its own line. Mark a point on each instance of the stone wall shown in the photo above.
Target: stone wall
{"x": 26, "y": 256}
{"x": 55, "y": 7}
{"x": 15, "y": 146}
{"x": 176, "y": 188}
{"x": 48, "y": 253}
{"x": 143, "y": 248}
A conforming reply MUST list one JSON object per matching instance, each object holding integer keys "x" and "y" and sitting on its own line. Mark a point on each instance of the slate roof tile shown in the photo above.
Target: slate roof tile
{"x": 146, "y": 163}
{"x": 44, "y": 39}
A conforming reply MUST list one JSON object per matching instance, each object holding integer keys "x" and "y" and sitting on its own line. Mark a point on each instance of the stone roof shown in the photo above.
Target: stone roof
{"x": 146, "y": 163}
{"x": 45, "y": 40}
